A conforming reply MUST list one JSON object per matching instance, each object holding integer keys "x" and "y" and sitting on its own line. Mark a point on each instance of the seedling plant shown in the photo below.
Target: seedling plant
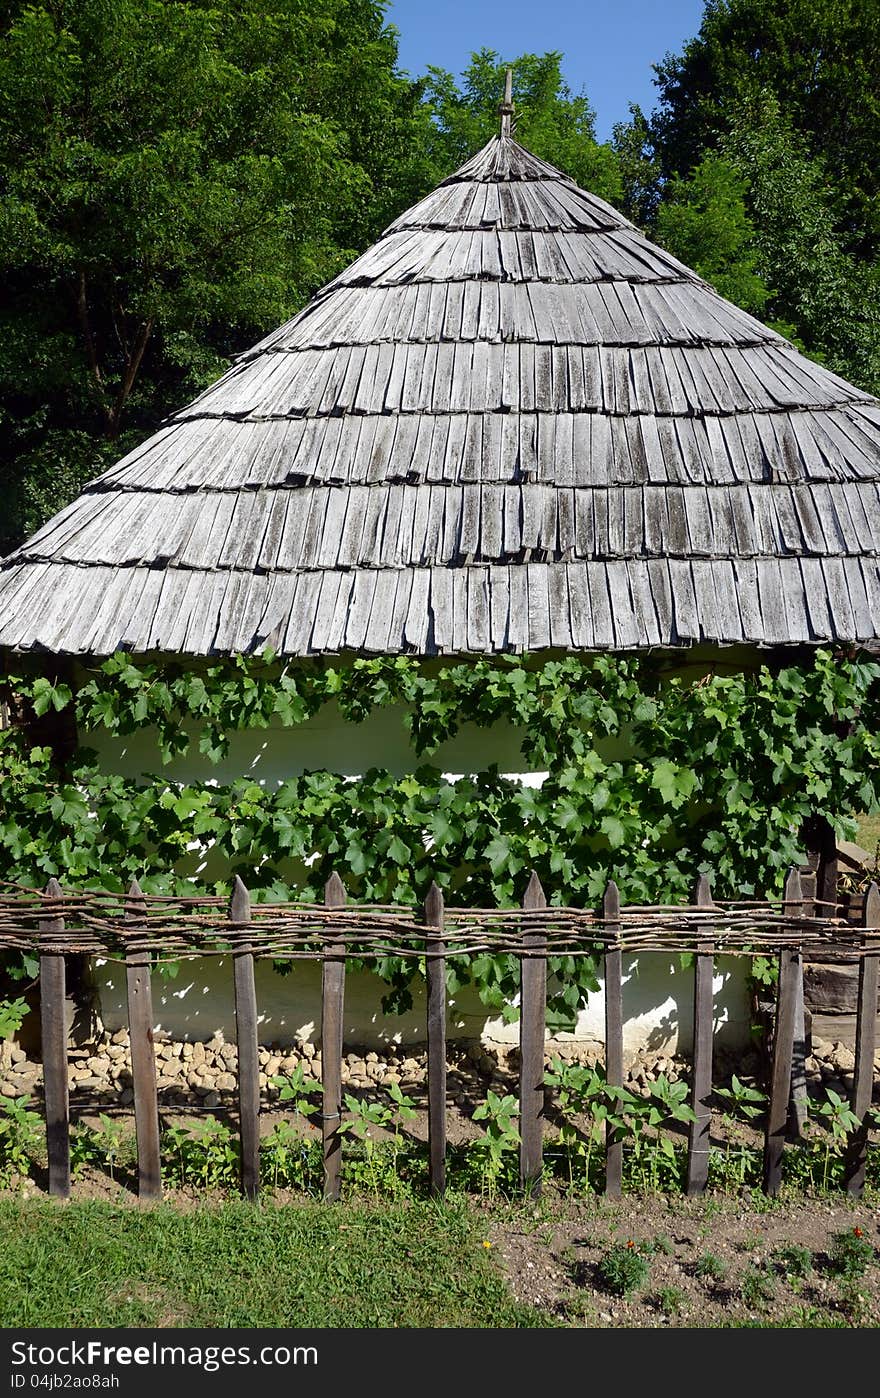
{"x": 493, "y": 1151}
{"x": 21, "y": 1138}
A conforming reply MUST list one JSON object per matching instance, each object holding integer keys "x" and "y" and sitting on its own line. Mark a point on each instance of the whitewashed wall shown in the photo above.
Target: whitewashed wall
{"x": 657, "y": 1001}
{"x": 657, "y": 993}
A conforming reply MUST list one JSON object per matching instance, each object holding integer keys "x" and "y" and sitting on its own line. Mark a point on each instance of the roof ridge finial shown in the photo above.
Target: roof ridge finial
{"x": 505, "y": 108}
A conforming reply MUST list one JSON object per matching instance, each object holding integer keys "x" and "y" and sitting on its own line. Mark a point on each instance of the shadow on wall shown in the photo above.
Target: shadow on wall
{"x": 197, "y": 1004}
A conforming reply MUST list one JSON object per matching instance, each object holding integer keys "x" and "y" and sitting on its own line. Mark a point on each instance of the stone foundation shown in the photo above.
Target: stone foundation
{"x": 204, "y": 1074}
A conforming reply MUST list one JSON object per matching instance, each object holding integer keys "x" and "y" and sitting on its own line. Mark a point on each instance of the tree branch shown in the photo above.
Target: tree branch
{"x": 82, "y": 306}
{"x": 118, "y": 317}
{"x": 132, "y": 366}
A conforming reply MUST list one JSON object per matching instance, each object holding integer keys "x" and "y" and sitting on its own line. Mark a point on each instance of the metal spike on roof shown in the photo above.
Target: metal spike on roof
{"x": 512, "y": 424}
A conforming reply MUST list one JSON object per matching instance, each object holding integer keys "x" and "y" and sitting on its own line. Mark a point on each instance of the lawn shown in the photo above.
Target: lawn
{"x": 90, "y": 1264}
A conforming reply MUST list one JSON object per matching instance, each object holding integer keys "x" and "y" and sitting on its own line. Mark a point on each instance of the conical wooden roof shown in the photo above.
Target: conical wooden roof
{"x": 513, "y": 423}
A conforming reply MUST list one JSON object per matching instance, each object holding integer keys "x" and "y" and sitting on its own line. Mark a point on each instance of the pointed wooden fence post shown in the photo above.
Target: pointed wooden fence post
{"x": 246, "y": 1034}
{"x": 798, "y": 1107}
{"x": 143, "y": 1053}
{"x": 332, "y": 1007}
{"x": 866, "y": 1043}
{"x": 701, "y": 1090}
{"x": 435, "y": 971}
{"x": 790, "y": 968}
{"x": 54, "y": 1036}
{"x": 613, "y": 1034}
{"x": 532, "y": 1021}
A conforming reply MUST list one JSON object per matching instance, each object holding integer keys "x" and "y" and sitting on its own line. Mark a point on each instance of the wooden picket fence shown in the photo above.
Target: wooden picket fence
{"x": 141, "y": 930}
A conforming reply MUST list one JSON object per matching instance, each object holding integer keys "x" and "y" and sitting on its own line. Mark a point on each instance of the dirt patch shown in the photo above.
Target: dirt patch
{"x": 710, "y": 1263}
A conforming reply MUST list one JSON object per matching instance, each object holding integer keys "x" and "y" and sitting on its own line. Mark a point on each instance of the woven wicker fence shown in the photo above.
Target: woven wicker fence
{"x": 142, "y": 930}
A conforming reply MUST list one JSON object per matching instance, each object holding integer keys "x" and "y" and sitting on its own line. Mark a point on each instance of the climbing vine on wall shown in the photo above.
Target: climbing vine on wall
{"x": 722, "y": 772}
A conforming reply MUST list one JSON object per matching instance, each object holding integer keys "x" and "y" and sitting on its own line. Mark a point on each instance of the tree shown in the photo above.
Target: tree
{"x": 829, "y": 295}
{"x": 176, "y": 178}
{"x": 782, "y": 94}
{"x": 819, "y": 58}
{"x": 639, "y": 167}
{"x": 703, "y": 220}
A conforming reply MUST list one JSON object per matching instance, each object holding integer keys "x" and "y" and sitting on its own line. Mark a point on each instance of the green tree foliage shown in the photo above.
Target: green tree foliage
{"x": 550, "y": 120}
{"x": 639, "y": 166}
{"x": 768, "y": 125}
{"x": 703, "y": 220}
{"x": 821, "y": 60}
{"x": 827, "y": 292}
{"x": 176, "y": 178}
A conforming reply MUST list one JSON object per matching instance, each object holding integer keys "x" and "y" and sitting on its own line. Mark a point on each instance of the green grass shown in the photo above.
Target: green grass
{"x": 235, "y": 1265}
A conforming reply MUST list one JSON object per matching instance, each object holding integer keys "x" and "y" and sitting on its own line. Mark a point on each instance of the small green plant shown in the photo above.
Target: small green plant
{"x": 756, "y": 1288}
{"x": 663, "y": 1244}
{"x": 580, "y": 1091}
{"x": 656, "y": 1164}
{"x": 850, "y": 1254}
{"x": 839, "y": 1120}
{"x": 12, "y": 1013}
{"x": 381, "y": 1166}
{"x": 740, "y": 1164}
{"x": 744, "y": 1103}
{"x": 205, "y": 1155}
{"x": 710, "y": 1266}
{"x": 623, "y": 1268}
{"x": 403, "y": 1109}
{"x": 499, "y": 1139}
{"x": 364, "y": 1116}
{"x": 793, "y": 1261}
{"x": 288, "y": 1161}
{"x": 21, "y": 1137}
{"x": 297, "y": 1090}
{"x": 670, "y": 1300}
{"x": 852, "y": 1300}
{"x": 100, "y": 1146}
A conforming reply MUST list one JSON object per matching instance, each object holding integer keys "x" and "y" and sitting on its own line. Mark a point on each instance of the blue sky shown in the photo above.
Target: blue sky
{"x": 608, "y": 48}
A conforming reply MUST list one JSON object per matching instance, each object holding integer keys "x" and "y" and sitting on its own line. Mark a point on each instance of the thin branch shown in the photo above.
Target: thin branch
{"x": 128, "y": 378}
{"x": 117, "y": 315}
{"x": 82, "y": 305}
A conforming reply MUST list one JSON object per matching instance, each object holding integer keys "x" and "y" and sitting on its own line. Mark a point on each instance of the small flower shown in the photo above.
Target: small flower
{"x": 486, "y": 1243}
{"x": 857, "y": 1233}
{"x": 630, "y": 1243}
